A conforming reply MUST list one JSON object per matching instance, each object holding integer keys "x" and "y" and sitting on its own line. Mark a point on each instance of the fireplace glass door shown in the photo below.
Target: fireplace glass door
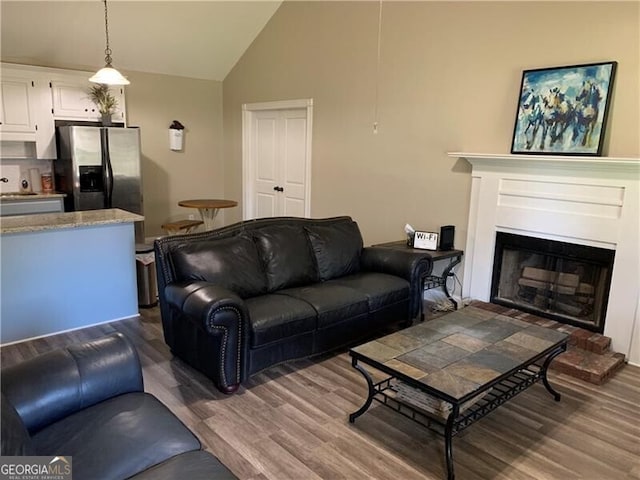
{"x": 565, "y": 282}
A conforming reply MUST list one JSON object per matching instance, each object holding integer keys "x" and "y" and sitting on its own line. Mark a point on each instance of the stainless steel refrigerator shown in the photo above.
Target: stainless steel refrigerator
{"x": 99, "y": 167}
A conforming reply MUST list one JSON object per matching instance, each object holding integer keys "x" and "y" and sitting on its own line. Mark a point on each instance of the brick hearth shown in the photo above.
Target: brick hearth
{"x": 588, "y": 357}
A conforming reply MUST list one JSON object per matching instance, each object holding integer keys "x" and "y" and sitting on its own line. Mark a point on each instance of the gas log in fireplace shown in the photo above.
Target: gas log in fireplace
{"x": 565, "y": 282}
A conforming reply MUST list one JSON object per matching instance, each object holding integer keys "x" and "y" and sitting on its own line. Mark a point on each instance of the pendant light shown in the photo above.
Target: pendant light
{"x": 108, "y": 75}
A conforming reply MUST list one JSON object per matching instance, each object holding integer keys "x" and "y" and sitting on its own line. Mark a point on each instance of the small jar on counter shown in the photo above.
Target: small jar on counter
{"x": 47, "y": 183}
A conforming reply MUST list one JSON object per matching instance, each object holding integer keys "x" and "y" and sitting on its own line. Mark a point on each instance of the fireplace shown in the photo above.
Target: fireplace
{"x": 583, "y": 201}
{"x": 562, "y": 281}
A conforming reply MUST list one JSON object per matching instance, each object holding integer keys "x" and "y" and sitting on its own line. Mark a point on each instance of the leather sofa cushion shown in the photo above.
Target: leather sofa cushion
{"x": 13, "y": 435}
{"x": 231, "y": 262}
{"x": 275, "y": 317}
{"x": 333, "y": 303}
{"x": 337, "y": 248}
{"x": 117, "y": 438}
{"x": 286, "y": 255}
{"x": 380, "y": 289}
{"x": 198, "y": 465}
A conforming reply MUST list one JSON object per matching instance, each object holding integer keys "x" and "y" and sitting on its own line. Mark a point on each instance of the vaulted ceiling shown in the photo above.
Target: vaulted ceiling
{"x": 202, "y": 39}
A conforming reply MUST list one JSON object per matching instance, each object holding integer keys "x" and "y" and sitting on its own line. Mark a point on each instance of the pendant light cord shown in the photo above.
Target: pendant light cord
{"x": 375, "y": 113}
{"x": 108, "y": 75}
{"x": 107, "y": 51}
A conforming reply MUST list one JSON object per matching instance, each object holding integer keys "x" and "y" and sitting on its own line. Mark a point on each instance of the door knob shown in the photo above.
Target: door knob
{"x": 278, "y": 189}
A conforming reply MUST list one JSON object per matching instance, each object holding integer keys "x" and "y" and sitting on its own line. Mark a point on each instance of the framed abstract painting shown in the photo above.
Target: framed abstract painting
{"x": 563, "y": 110}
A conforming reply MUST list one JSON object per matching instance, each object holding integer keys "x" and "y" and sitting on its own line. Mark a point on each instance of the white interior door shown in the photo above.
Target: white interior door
{"x": 277, "y": 159}
{"x": 265, "y": 164}
{"x": 292, "y": 136}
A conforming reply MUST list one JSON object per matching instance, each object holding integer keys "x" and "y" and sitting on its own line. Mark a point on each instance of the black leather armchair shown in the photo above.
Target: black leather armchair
{"x": 87, "y": 401}
{"x": 237, "y": 300}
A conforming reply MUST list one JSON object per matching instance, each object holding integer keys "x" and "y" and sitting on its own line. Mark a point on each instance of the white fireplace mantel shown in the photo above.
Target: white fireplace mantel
{"x": 591, "y": 201}
{"x": 509, "y": 161}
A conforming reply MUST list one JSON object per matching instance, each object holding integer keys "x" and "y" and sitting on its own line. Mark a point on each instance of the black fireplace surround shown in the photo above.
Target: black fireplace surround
{"x": 561, "y": 281}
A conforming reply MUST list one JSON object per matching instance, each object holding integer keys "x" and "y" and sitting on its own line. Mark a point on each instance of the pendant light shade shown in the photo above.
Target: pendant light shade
{"x": 108, "y": 75}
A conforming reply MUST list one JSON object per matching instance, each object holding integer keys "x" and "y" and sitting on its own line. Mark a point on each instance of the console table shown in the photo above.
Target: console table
{"x": 433, "y": 281}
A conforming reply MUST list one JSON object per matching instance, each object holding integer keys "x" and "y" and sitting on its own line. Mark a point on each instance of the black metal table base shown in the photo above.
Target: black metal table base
{"x": 497, "y": 393}
{"x": 435, "y": 281}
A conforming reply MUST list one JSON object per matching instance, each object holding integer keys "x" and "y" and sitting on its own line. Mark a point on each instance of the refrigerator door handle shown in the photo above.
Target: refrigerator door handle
{"x": 108, "y": 169}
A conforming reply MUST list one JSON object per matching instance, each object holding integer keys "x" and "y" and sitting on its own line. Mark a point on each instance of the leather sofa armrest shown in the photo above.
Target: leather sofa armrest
{"x": 207, "y": 304}
{"x": 223, "y": 317}
{"x": 56, "y": 384}
{"x": 410, "y": 265}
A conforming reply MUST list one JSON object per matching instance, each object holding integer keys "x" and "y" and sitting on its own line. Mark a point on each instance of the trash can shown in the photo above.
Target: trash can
{"x": 146, "y": 275}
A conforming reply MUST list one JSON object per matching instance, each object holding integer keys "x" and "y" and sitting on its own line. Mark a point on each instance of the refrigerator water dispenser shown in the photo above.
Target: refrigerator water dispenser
{"x": 91, "y": 178}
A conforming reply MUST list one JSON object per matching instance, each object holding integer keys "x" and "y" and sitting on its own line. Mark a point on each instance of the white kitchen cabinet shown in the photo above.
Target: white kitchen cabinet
{"x": 71, "y": 101}
{"x": 25, "y": 112}
{"x": 31, "y": 100}
{"x": 16, "y": 108}
{"x": 45, "y": 127}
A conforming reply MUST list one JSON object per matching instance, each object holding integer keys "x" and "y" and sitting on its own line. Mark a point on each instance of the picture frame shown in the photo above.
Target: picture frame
{"x": 563, "y": 110}
{"x": 425, "y": 240}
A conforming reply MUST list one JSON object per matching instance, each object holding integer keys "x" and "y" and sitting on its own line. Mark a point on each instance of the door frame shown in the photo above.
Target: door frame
{"x": 248, "y": 166}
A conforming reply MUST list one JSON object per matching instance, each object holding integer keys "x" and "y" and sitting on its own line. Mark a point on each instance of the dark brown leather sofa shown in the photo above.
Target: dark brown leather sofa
{"x": 242, "y": 298}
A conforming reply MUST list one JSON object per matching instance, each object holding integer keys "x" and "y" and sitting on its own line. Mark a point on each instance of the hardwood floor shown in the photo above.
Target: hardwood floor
{"x": 290, "y": 422}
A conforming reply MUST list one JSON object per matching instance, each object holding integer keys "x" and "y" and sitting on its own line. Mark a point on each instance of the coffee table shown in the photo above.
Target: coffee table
{"x": 450, "y": 372}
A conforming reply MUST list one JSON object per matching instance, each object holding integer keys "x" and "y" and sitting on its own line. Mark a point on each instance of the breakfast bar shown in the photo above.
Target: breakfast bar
{"x": 93, "y": 251}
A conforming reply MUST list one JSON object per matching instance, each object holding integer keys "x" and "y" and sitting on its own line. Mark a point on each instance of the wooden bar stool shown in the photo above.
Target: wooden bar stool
{"x": 181, "y": 226}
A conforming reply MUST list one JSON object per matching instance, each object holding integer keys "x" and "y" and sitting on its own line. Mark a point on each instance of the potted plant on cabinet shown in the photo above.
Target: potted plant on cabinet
{"x": 104, "y": 100}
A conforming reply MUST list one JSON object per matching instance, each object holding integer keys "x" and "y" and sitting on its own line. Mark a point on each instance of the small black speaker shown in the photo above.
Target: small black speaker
{"x": 447, "y": 232}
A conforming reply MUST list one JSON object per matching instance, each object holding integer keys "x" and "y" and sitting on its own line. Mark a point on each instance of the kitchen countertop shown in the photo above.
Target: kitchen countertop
{"x": 56, "y": 221}
{"x": 30, "y": 196}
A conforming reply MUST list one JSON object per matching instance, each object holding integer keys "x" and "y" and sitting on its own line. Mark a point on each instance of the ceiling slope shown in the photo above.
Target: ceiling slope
{"x": 192, "y": 39}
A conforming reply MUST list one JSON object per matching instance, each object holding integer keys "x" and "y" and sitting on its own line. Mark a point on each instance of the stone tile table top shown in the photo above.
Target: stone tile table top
{"x": 460, "y": 352}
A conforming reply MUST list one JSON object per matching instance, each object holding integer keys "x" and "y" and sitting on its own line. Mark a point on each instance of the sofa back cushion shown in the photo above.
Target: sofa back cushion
{"x": 231, "y": 262}
{"x": 286, "y": 255}
{"x": 337, "y": 248}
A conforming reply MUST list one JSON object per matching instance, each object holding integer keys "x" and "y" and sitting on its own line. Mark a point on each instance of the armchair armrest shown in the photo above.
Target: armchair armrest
{"x": 412, "y": 265}
{"x": 58, "y": 383}
{"x": 223, "y": 318}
